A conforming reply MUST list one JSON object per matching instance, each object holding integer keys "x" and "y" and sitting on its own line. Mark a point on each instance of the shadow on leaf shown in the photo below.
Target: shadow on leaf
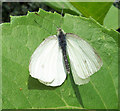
{"x": 35, "y": 84}
{"x": 76, "y": 90}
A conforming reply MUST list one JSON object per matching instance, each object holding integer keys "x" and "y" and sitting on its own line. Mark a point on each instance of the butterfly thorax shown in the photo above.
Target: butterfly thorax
{"x": 62, "y": 39}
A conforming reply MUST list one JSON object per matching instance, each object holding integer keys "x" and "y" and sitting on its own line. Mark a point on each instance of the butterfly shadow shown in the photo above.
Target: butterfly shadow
{"x": 76, "y": 90}
{"x": 34, "y": 84}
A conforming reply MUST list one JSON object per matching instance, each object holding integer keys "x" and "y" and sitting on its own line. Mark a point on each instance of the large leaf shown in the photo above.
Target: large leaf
{"x": 96, "y": 10}
{"x": 111, "y": 19}
{"x": 22, "y": 35}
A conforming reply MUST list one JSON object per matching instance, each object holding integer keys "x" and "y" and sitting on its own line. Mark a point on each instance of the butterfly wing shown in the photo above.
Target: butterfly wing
{"x": 83, "y": 59}
{"x": 46, "y": 63}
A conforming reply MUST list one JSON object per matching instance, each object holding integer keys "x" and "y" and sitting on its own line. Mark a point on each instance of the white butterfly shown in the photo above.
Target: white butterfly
{"x": 50, "y": 66}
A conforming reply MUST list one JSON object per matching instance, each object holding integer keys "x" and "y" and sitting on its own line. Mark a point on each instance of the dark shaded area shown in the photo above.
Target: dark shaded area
{"x": 21, "y": 8}
{"x": 118, "y": 30}
{"x": 117, "y": 4}
{"x": 0, "y": 13}
{"x": 76, "y": 90}
{"x": 34, "y": 84}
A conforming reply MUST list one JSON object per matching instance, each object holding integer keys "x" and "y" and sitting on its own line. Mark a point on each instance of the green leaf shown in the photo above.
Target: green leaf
{"x": 22, "y": 36}
{"x": 96, "y": 10}
{"x": 67, "y": 7}
{"x": 111, "y": 19}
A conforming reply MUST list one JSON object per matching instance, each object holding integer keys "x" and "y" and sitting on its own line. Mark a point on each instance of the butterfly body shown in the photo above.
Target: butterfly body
{"x": 62, "y": 44}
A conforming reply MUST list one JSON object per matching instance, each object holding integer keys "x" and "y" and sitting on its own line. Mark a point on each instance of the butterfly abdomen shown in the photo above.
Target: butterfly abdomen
{"x": 62, "y": 44}
{"x": 66, "y": 61}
